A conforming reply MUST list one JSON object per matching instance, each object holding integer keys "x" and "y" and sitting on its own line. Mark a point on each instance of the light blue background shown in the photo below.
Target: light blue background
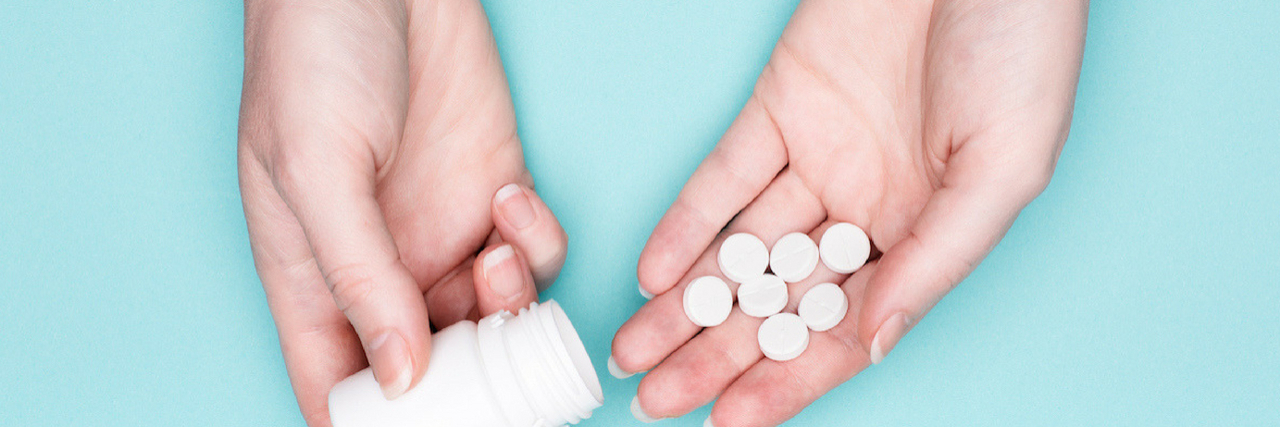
{"x": 1143, "y": 287}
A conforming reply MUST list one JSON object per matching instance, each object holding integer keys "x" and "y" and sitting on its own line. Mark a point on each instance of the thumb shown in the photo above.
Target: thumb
{"x": 961, "y": 223}
{"x": 354, "y": 250}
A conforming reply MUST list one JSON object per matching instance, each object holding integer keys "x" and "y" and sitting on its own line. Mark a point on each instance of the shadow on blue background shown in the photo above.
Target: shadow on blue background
{"x": 1141, "y": 289}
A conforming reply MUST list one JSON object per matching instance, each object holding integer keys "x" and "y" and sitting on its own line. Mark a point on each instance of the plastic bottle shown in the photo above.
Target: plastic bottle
{"x": 528, "y": 370}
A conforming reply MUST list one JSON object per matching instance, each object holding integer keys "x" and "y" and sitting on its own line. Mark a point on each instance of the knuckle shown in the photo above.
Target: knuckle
{"x": 1031, "y": 179}
{"x": 352, "y": 286}
{"x": 1021, "y": 178}
{"x": 289, "y": 171}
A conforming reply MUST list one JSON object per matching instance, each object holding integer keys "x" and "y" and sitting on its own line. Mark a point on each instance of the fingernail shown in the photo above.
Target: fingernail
{"x": 708, "y": 423}
{"x": 639, "y": 413}
{"x": 502, "y": 271}
{"x": 617, "y": 371}
{"x": 890, "y": 332}
{"x": 392, "y": 366}
{"x": 514, "y": 206}
{"x": 645, "y": 293}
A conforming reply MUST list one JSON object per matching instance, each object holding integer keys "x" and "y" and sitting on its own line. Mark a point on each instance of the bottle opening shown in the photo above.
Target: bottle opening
{"x": 540, "y": 367}
{"x": 577, "y": 352}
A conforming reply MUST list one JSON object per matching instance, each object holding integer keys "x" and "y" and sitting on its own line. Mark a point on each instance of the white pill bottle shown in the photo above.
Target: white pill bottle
{"x": 526, "y": 370}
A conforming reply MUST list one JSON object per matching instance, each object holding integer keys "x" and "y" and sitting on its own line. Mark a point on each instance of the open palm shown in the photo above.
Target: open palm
{"x": 928, "y": 124}
{"x": 375, "y": 138}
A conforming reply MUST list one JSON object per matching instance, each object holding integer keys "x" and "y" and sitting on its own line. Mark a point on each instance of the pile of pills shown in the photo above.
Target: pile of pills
{"x": 763, "y": 275}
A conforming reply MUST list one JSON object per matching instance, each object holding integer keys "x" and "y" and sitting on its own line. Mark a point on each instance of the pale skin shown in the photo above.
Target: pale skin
{"x": 930, "y": 124}
{"x": 383, "y": 184}
{"x": 376, "y": 134}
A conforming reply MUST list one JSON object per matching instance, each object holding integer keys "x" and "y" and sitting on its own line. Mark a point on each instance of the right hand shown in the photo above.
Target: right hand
{"x": 930, "y": 124}
{"x": 377, "y": 142}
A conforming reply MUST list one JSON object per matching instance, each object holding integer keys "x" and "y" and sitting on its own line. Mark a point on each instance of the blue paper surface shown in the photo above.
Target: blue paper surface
{"x": 1142, "y": 288}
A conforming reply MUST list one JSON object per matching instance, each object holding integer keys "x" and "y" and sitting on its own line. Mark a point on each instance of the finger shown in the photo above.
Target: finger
{"x": 494, "y": 239}
{"x": 660, "y": 326}
{"x": 702, "y": 368}
{"x": 502, "y": 280}
{"x": 332, "y": 195}
{"x": 319, "y": 347}
{"x": 745, "y": 161}
{"x": 522, "y": 219}
{"x": 771, "y": 392}
{"x": 959, "y": 225}
{"x": 453, "y": 298}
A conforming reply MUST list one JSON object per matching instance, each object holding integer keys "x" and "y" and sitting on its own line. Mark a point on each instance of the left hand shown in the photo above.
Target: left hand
{"x": 928, "y": 124}
{"x": 384, "y": 185}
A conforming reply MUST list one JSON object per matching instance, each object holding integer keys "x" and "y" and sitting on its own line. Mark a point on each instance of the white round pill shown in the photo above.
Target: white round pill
{"x": 707, "y": 301}
{"x": 763, "y": 296}
{"x": 823, "y": 306}
{"x": 844, "y": 248}
{"x": 783, "y": 337}
{"x": 794, "y": 257}
{"x": 743, "y": 257}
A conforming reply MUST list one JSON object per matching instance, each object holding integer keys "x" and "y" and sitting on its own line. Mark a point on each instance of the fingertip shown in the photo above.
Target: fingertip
{"x": 422, "y": 357}
{"x": 888, "y": 335}
{"x": 622, "y": 358}
{"x": 390, "y": 316}
{"x": 392, "y": 363}
{"x": 883, "y": 296}
{"x": 638, "y": 412}
{"x": 646, "y": 294}
{"x": 617, "y": 371}
{"x": 523, "y": 219}
{"x": 512, "y": 203}
{"x": 502, "y": 280}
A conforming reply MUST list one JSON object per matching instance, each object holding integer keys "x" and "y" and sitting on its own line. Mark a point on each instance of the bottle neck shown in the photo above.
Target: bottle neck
{"x": 537, "y": 367}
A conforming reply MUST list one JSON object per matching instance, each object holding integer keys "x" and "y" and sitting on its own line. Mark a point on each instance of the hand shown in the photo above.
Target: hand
{"x": 928, "y": 124}
{"x": 377, "y": 145}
